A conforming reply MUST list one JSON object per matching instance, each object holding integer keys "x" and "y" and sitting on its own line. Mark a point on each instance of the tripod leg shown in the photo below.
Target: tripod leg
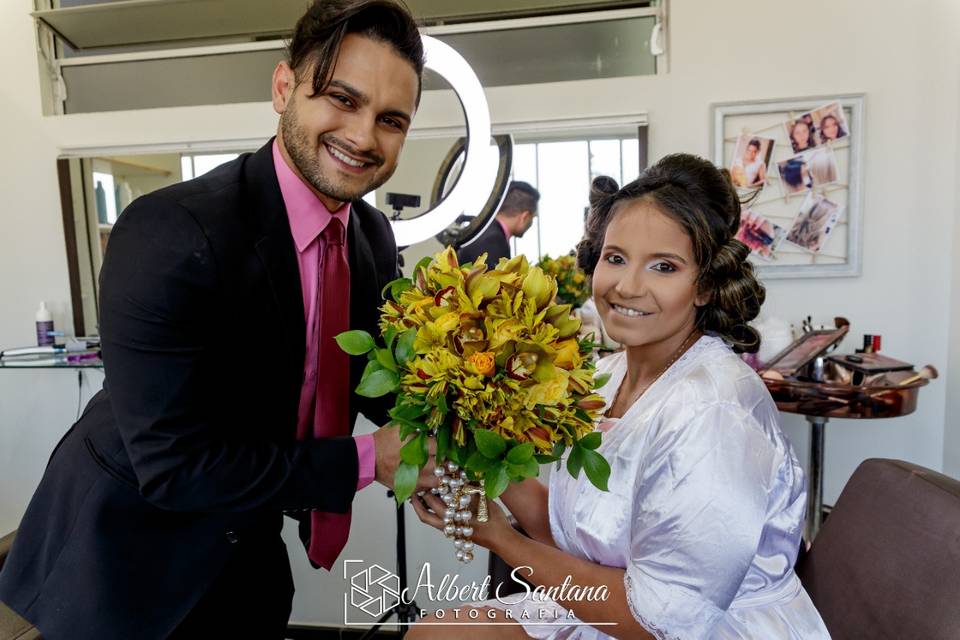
{"x": 372, "y": 631}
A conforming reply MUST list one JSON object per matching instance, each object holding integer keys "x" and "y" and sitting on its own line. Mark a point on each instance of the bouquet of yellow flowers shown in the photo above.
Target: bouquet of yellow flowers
{"x": 573, "y": 286}
{"x": 486, "y": 362}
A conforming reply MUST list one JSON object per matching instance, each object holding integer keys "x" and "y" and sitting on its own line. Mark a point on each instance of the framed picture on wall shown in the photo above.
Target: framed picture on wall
{"x": 812, "y": 186}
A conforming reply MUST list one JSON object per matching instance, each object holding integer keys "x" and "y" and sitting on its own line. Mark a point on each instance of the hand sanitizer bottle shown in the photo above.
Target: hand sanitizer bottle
{"x": 44, "y": 326}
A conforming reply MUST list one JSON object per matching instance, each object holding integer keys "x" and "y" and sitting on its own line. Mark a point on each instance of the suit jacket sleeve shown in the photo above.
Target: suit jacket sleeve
{"x": 158, "y": 317}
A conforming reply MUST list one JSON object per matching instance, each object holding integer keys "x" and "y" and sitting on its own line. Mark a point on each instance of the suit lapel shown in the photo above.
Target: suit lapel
{"x": 363, "y": 272}
{"x": 277, "y": 252}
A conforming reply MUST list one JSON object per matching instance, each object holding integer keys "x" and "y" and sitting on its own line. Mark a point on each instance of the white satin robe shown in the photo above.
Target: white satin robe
{"x": 705, "y": 509}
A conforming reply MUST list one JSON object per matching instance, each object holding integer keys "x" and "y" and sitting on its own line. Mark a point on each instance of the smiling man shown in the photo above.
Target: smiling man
{"x": 227, "y": 402}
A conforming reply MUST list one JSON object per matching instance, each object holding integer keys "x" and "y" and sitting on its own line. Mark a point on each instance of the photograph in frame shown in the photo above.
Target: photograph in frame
{"x": 816, "y": 220}
{"x": 751, "y": 158}
{"x": 801, "y": 133}
{"x": 822, "y": 166}
{"x": 760, "y": 234}
{"x": 794, "y": 175}
{"x": 830, "y": 123}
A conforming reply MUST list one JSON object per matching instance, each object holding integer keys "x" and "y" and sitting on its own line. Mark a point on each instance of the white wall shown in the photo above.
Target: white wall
{"x": 951, "y": 435}
{"x": 905, "y": 61}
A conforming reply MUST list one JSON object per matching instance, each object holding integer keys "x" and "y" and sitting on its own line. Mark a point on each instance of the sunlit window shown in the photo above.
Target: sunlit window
{"x": 194, "y": 166}
{"x": 105, "y": 195}
{"x": 562, "y": 172}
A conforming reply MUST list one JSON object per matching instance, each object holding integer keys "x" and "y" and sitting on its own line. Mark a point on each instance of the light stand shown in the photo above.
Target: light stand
{"x": 406, "y": 612}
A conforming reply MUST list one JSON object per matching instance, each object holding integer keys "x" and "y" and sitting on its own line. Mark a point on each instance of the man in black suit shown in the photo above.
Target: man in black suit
{"x": 515, "y": 217}
{"x": 159, "y": 513}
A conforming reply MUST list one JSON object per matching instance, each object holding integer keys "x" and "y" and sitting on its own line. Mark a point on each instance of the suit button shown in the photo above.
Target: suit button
{"x": 232, "y": 537}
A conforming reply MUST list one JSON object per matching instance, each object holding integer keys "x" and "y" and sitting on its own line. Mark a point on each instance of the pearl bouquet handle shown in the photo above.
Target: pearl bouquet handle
{"x": 457, "y": 493}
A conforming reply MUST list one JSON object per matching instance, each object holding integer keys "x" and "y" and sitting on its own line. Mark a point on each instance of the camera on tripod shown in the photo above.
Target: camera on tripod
{"x": 400, "y": 200}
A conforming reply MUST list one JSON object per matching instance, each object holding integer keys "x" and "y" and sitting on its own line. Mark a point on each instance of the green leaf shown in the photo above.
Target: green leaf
{"x": 496, "y": 481}
{"x": 575, "y": 462}
{"x": 600, "y": 380}
{"x": 591, "y": 441}
{"x": 457, "y": 454}
{"x": 479, "y": 462}
{"x": 559, "y": 448}
{"x": 390, "y": 335}
{"x": 423, "y": 264}
{"x": 415, "y": 451}
{"x": 372, "y": 366}
{"x": 379, "y": 383}
{"x": 521, "y": 453}
{"x": 489, "y": 443}
{"x": 443, "y": 442}
{"x": 408, "y": 411}
{"x": 531, "y": 469}
{"x": 405, "y": 481}
{"x": 396, "y": 287}
{"x": 407, "y": 429}
{"x": 355, "y": 342}
{"x": 385, "y": 358}
{"x": 414, "y": 426}
{"x": 545, "y": 459}
{"x": 404, "y": 349}
{"x": 597, "y": 468}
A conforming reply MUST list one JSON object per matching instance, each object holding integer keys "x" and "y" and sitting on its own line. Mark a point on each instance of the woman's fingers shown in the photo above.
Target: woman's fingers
{"x": 426, "y": 516}
{"x": 434, "y": 503}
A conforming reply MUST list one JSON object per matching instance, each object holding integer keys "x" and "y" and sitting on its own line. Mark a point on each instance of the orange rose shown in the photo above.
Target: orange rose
{"x": 483, "y": 362}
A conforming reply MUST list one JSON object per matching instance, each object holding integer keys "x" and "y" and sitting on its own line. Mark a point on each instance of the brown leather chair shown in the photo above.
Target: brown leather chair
{"x": 12, "y": 626}
{"x": 886, "y": 564}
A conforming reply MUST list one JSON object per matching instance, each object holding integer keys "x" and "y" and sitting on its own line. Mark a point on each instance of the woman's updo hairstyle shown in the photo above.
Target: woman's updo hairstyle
{"x": 703, "y": 201}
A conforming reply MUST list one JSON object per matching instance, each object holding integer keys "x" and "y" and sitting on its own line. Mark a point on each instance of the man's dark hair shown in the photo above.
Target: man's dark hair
{"x": 754, "y": 142}
{"x": 521, "y": 196}
{"x": 320, "y": 31}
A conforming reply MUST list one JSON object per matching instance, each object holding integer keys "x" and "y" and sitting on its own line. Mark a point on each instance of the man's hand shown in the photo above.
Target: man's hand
{"x": 387, "y": 444}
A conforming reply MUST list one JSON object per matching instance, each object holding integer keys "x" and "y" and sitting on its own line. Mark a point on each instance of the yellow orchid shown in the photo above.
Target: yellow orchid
{"x": 474, "y": 349}
{"x": 573, "y": 284}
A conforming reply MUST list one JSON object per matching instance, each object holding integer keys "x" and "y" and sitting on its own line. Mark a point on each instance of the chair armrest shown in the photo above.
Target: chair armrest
{"x": 5, "y": 543}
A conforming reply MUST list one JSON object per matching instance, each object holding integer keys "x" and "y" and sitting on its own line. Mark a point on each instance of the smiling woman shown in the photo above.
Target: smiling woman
{"x": 699, "y": 536}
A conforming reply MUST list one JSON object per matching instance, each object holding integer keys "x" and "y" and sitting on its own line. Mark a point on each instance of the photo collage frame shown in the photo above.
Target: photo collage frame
{"x": 796, "y": 164}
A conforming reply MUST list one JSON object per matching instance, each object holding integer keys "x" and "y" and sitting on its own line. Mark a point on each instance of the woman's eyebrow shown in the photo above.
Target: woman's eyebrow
{"x": 661, "y": 255}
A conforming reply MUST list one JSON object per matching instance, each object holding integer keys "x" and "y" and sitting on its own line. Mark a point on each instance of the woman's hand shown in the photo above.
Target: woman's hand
{"x": 494, "y": 533}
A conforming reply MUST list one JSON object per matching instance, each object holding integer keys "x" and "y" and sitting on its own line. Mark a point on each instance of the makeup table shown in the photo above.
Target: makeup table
{"x": 820, "y": 401}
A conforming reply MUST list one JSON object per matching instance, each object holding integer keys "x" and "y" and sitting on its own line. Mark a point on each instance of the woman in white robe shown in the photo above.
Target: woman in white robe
{"x": 699, "y": 531}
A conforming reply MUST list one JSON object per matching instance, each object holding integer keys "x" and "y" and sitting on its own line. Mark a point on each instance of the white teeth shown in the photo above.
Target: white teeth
{"x": 631, "y": 313}
{"x": 344, "y": 158}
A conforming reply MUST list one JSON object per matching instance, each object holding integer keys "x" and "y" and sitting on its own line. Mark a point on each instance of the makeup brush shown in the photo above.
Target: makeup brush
{"x": 929, "y": 372}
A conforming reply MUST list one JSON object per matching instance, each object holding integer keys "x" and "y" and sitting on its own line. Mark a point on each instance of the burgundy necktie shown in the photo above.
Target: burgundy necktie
{"x": 331, "y": 414}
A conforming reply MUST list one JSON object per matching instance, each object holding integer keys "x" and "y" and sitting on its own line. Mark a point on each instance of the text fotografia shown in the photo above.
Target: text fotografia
{"x": 492, "y": 614}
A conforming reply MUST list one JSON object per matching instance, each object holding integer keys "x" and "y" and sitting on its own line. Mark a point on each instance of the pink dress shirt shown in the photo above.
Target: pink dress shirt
{"x": 503, "y": 225}
{"x": 308, "y": 218}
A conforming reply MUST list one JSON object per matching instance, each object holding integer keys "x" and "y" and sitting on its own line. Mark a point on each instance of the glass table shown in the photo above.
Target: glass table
{"x": 50, "y": 361}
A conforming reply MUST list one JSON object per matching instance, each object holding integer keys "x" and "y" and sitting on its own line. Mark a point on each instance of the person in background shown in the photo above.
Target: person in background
{"x": 514, "y": 218}
{"x": 227, "y": 402}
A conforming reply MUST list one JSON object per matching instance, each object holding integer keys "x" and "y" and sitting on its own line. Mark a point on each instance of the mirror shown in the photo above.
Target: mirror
{"x": 559, "y": 159}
